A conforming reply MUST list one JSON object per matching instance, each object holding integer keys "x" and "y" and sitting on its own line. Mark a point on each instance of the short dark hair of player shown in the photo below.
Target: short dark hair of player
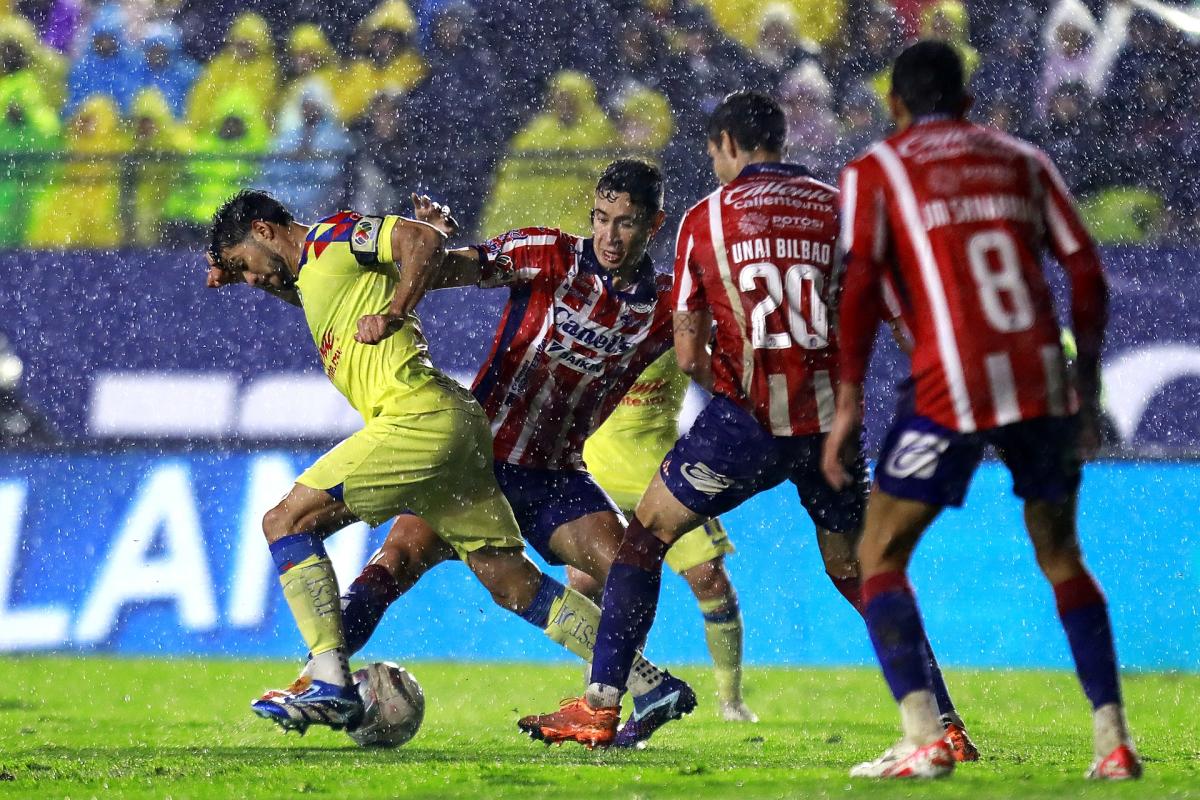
{"x": 640, "y": 179}
{"x": 928, "y": 77}
{"x": 231, "y": 222}
{"x": 752, "y": 119}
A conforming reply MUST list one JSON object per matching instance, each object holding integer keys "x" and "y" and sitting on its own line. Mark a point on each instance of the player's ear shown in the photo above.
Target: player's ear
{"x": 261, "y": 230}
{"x": 729, "y": 145}
{"x": 657, "y": 221}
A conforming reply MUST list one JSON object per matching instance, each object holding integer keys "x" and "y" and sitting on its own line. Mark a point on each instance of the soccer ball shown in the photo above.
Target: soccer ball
{"x": 393, "y": 705}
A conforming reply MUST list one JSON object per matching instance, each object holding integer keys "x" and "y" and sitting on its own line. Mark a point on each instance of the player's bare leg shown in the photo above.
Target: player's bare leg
{"x": 891, "y": 532}
{"x": 295, "y": 530}
{"x": 724, "y": 633}
{"x": 589, "y": 543}
{"x": 838, "y": 551}
{"x": 1084, "y": 615}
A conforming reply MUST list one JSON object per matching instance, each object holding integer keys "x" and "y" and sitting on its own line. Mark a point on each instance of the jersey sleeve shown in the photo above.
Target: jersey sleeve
{"x": 862, "y": 244}
{"x": 371, "y": 239}
{"x": 1065, "y": 232}
{"x": 519, "y": 256}
{"x": 688, "y": 292}
{"x": 1074, "y": 249}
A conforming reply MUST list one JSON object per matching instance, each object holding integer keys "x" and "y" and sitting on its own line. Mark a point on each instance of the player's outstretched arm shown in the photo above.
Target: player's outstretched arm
{"x": 460, "y": 267}
{"x": 419, "y": 249}
{"x": 693, "y": 330}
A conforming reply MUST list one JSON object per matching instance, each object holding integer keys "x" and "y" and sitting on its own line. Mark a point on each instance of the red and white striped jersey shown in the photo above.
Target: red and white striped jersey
{"x": 568, "y": 346}
{"x": 951, "y": 218}
{"x": 759, "y": 253}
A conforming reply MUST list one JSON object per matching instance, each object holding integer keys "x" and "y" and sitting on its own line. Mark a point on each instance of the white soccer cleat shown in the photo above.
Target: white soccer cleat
{"x": 907, "y": 760}
{"x": 737, "y": 711}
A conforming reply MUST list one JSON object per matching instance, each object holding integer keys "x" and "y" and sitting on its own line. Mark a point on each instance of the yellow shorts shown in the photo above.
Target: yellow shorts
{"x": 438, "y": 464}
{"x": 624, "y": 466}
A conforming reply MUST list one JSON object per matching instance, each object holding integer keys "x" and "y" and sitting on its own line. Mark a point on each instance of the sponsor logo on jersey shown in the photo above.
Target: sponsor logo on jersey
{"x": 752, "y": 224}
{"x": 916, "y": 455}
{"x": 704, "y": 479}
{"x": 580, "y": 363}
{"x": 605, "y": 340}
{"x": 330, "y": 356}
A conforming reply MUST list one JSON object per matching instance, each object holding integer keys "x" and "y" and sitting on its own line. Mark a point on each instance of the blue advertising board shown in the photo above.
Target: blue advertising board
{"x": 162, "y": 554}
{"x": 112, "y": 339}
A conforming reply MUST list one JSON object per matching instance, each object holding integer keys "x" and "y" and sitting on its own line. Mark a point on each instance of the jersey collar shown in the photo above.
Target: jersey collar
{"x": 784, "y": 168}
{"x": 640, "y": 291}
{"x": 306, "y": 248}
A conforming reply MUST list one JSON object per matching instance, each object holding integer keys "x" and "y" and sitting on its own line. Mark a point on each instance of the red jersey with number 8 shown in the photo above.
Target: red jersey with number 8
{"x": 953, "y": 217}
{"x": 759, "y": 253}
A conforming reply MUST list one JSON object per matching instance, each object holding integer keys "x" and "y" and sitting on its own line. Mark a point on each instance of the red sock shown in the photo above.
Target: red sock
{"x": 851, "y": 589}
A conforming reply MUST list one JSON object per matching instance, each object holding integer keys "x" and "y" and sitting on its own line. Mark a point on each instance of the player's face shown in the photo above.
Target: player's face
{"x": 259, "y": 264}
{"x": 620, "y": 230}
{"x": 723, "y": 153}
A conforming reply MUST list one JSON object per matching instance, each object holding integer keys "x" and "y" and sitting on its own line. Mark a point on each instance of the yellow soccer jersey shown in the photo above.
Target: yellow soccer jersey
{"x": 347, "y": 271}
{"x": 653, "y": 402}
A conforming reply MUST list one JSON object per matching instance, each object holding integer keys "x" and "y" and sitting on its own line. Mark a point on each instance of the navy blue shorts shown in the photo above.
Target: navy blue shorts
{"x": 923, "y": 461}
{"x": 544, "y": 499}
{"x": 728, "y": 457}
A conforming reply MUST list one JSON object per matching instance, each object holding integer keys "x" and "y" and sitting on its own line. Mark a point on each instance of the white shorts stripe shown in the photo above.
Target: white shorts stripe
{"x": 717, "y": 232}
{"x": 1004, "y": 388}
{"x": 932, "y": 279}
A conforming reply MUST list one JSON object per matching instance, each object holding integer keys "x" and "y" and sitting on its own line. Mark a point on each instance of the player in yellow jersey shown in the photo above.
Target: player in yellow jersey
{"x": 623, "y": 456}
{"x": 425, "y": 445}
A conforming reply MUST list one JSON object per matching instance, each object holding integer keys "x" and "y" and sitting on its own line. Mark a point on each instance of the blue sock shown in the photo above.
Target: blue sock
{"x": 1084, "y": 615}
{"x": 894, "y": 624}
{"x": 851, "y": 589}
{"x": 938, "y": 683}
{"x": 291, "y": 550}
{"x": 538, "y": 613}
{"x": 630, "y": 602}
{"x": 364, "y": 604}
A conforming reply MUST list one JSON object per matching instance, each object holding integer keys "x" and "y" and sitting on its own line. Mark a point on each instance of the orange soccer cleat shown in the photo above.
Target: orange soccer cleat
{"x": 574, "y": 721}
{"x": 960, "y": 743}
{"x": 1122, "y": 764}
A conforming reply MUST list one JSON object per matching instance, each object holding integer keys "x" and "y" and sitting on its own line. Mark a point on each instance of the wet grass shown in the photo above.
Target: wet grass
{"x": 84, "y": 727}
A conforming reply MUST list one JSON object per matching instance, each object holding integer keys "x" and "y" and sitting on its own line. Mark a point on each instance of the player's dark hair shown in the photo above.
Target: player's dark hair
{"x": 928, "y": 77}
{"x": 640, "y": 179}
{"x": 231, "y": 222}
{"x": 752, "y": 119}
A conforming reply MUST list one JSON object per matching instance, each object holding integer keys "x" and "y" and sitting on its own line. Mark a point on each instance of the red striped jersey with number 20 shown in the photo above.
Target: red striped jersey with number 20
{"x": 759, "y": 254}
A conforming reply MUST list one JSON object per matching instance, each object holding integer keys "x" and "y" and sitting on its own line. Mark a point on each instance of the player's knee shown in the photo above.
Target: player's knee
{"x": 277, "y": 523}
{"x": 840, "y": 566}
{"x": 709, "y": 581}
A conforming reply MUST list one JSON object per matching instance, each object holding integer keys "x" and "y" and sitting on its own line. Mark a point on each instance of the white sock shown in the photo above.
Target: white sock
{"x": 600, "y": 696}
{"x": 1109, "y": 728}
{"x": 332, "y": 666}
{"x": 643, "y": 676}
{"x": 919, "y": 718}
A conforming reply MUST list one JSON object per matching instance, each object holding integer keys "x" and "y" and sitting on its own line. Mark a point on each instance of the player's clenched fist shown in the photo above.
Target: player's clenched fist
{"x": 374, "y": 328}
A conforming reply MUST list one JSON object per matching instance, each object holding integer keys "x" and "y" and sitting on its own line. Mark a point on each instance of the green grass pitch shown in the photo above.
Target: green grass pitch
{"x": 103, "y": 727}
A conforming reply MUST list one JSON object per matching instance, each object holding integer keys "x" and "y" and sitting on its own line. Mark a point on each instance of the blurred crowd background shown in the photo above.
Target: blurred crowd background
{"x": 126, "y": 123}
